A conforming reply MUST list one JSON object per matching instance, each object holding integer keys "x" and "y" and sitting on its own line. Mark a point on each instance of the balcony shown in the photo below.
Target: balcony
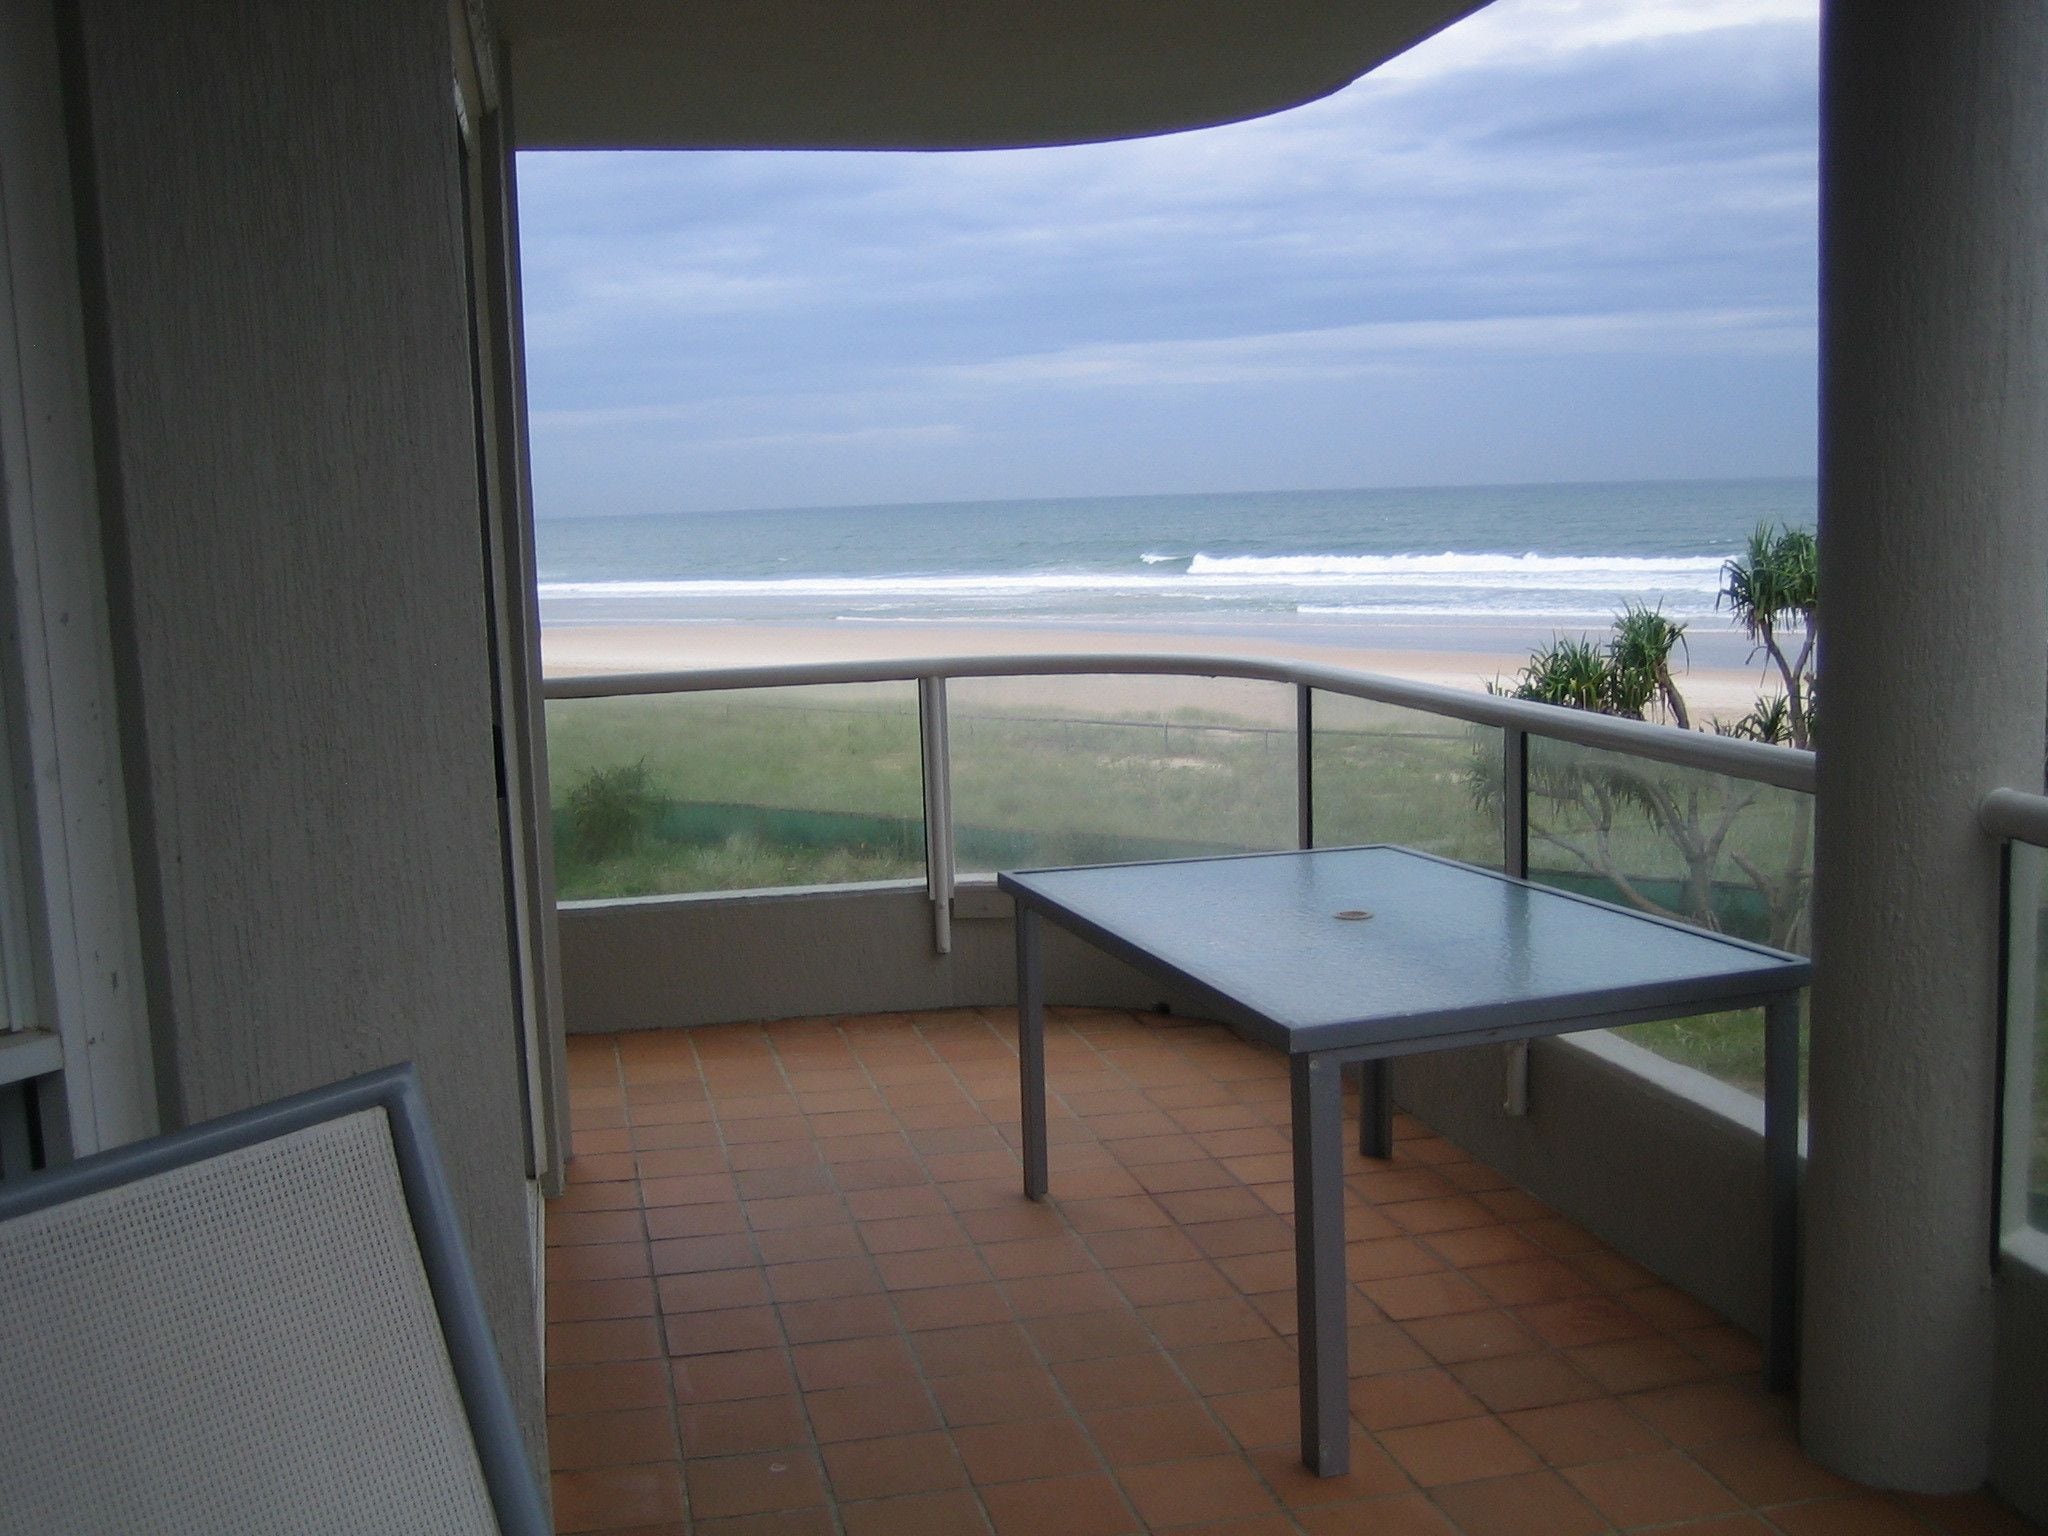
{"x": 794, "y": 1281}
{"x": 794, "y": 1287}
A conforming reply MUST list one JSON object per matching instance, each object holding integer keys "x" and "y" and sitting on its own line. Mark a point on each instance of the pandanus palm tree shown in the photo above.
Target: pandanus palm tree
{"x": 1772, "y": 585}
{"x": 1574, "y": 673}
{"x": 1770, "y": 588}
{"x": 1641, "y": 650}
{"x": 1621, "y": 677}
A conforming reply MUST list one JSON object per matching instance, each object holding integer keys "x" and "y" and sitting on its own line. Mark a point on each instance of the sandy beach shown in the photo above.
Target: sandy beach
{"x": 1723, "y": 692}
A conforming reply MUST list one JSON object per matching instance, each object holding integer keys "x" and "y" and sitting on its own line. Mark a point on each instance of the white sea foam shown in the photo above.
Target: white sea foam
{"x": 1509, "y": 586}
{"x": 1468, "y": 575}
{"x": 1546, "y": 570}
{"x": 1591, "y": 613}
{"x": 992, "y": 584}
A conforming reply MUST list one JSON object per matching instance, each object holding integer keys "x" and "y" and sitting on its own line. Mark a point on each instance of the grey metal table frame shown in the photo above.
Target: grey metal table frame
{"x": 1319, "y": 1051}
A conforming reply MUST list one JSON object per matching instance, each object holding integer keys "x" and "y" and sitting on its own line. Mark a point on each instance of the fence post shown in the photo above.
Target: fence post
{"x": 1514, "y": 860}
{"x": 938, "y": 808}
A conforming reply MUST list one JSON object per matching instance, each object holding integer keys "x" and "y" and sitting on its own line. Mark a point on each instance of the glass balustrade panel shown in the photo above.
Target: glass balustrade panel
{"x": 2037, "y": 1161}
{"x": 1054, "y": 771}
{"x": 1719, "y": 852}
{"x": 1383, "y": 774}
{"x": 736, "y": 790}
{"x": 2026, "y": 1067}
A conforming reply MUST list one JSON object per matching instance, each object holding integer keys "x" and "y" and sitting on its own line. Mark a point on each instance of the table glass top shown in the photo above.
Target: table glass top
{"x": 1280, "y": 935}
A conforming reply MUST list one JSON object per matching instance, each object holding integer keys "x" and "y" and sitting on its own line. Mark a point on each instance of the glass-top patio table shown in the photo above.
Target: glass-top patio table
{"x": 1340, "y": 955}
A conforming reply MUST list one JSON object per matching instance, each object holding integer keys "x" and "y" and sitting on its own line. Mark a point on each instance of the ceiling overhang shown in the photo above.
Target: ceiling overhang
{"x": 930, "y": 74}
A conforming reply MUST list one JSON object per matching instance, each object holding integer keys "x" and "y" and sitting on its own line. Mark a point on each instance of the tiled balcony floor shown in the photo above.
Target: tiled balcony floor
{"x": 795, "y": 1287}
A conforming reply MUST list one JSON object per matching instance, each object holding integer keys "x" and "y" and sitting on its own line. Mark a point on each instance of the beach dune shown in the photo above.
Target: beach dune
{"x": 1712, "y": 692}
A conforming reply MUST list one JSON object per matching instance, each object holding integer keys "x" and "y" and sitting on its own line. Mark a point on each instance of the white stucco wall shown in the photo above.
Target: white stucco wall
{"x": 277, "y": 320}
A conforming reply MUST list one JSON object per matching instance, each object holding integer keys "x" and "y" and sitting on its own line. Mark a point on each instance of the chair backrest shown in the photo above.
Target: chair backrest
{"x": 264, "y": 1323}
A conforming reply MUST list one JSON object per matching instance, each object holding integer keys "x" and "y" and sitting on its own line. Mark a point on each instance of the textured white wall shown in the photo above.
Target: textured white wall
{"x": 1934, "y": 636}
{"x": 289, "y": 467}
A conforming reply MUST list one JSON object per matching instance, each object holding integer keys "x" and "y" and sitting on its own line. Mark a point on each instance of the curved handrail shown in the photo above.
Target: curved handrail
{"x": 1785, "y": 767}
{"x": 2012, "y": 813}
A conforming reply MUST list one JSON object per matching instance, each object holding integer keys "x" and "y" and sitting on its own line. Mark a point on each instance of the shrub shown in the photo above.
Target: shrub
{"x": 609, "y": 810}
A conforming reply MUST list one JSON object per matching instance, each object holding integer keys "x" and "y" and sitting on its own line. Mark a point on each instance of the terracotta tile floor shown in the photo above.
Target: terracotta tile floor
{"x": 794, "y": 1287}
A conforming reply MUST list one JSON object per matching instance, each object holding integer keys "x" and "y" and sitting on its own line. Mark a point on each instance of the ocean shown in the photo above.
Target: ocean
{"x": 1409, "y": 566}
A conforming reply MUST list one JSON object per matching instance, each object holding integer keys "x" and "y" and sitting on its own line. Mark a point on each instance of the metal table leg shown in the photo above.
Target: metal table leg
{"x": 1031, "y": 1050}
{"x": 1781, "y": 1164}
{"x": 1375, "y": 1111}
{"x": 1323, "y": 1337}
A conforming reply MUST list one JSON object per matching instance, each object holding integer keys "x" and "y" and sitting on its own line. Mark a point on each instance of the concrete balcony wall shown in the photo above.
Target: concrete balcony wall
{"x": 663, "y": 962}
{"x": 2019, "y": 1406}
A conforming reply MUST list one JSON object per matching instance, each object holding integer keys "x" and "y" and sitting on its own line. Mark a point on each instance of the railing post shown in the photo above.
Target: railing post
{"x": 938, "y": 808}
{"x": 1514, "y": 860}
{"x": 1514, "y": 802}
{"x": 1304, "y": 766}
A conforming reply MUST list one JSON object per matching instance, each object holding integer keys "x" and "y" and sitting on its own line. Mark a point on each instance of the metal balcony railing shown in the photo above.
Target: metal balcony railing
{"x": 1711, "y": 828}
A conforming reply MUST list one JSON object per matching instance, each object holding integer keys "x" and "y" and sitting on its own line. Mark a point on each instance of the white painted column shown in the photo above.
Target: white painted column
{"x": 1934, "y": 569}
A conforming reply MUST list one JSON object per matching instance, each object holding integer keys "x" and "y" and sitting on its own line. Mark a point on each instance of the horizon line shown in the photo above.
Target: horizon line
{"x": 1812, "y": 478}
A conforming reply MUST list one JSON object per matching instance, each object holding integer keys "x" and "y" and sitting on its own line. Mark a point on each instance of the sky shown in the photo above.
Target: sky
{"x": 1564, "y": 240}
